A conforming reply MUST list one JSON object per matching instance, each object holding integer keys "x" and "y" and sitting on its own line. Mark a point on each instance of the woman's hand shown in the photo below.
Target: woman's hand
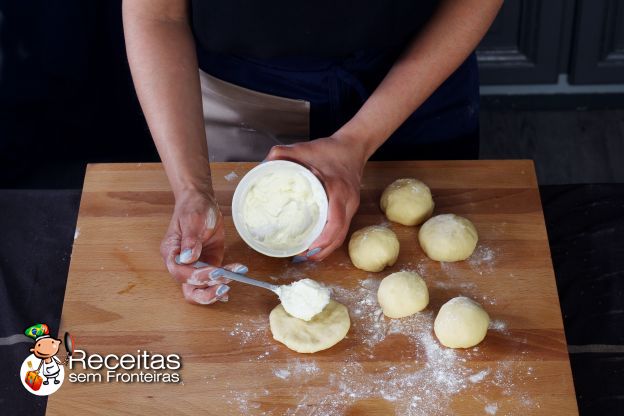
{"x": 196, "y": 233}
{"x": 338, "y": 162}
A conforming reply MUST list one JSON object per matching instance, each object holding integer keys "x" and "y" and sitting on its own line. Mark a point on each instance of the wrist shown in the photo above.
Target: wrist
{"x": 193, "y": 197}
{"x": 363, "y": 140}
{"x": 187, "y": 190}
{"x": 192, "y": 186}
{"x": 192, "y": 176}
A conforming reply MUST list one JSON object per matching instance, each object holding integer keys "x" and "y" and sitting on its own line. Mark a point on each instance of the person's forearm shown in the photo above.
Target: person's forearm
{"x": 163, "y": 63}
{"x": 436, "y": 52}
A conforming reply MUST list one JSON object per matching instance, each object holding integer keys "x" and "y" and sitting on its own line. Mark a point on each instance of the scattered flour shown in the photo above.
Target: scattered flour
{"x": 498, "y": 325}
{"x": 297, "y": 368}
{"x": 231, "y": 176}
{"x": 425, "y": 382}
{"x": 477, "y": 377}
{"x": 296, "y": 271}
{"x": 482, "y": 255}
{"x": 250, "y": 331}
{"x": 446, "y": 284}
{"x": 453, "y": 270}
{"x": 482, "y": 260}
{"x": 246, "y": 401}
{"x": 423, "y": 266}
{"x": 486, "y": 300}
{"x": 281, "y": 373}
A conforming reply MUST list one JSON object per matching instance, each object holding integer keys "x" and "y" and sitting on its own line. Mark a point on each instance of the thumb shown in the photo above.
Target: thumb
{"x": 190, "y": 252}
{"x": 190, "y": 245}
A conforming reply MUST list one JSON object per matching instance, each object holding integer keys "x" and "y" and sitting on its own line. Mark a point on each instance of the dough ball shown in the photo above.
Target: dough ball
{"x": 461, "y": 323}
{"x": 407, "y": 201}
{"x": 373, "y": 248}
{"x": 402, "y": 294}
{"x": 321, "y": 332}
{"x": 448, "y": 237}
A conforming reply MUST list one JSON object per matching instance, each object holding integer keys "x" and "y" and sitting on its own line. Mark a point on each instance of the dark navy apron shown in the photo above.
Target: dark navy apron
{"x": 445, "y": 126}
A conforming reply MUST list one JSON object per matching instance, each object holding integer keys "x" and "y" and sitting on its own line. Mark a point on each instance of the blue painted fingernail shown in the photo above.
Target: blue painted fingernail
{"x": 199, "y": 264}
{"x": 222, "y": 290}
{"x": 216, "y": 273}
{"x": 299, "y": 259}
{"x": 242, "y": 269}
{"x": 312, "y": 252}
{"x": 186, "y": 255}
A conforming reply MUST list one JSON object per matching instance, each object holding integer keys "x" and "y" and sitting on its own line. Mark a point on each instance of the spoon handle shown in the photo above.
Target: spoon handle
{"x": 238, "y": 277}
{"x": 244, "y": 279}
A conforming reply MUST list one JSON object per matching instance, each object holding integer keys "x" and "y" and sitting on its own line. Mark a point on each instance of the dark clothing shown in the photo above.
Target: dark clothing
{"x": 319, "y": 28}
{"x": 444, "y": 127}
{"x": 334, "y": 55}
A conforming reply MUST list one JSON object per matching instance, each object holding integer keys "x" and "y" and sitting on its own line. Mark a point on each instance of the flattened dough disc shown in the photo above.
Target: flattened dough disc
{"x": 321, "y": 332}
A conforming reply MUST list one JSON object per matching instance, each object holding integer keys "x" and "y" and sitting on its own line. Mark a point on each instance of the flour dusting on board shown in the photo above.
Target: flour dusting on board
{"x": 475, "y": 378}
{"x": 425, "y": 382}
{"x": 230, "y": 176}
{"x": 491, "y": 409}
{"x": 251, "y": 331}
{"x": 498, "y": 325}
{"x": 482, "y": 260}
{"x": 435, "y": 372}
{"x": 446, "y": 285}
{"x": 297, "y": 369}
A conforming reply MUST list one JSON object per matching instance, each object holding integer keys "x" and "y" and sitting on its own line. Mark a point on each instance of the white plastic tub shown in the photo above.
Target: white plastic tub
{"x": 250, "y": 179}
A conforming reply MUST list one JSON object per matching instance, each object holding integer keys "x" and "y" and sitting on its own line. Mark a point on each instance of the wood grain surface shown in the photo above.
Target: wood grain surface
{"x": 120, "y": 299}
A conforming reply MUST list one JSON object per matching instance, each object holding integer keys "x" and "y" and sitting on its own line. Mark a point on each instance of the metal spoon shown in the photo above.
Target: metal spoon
{"x": 237, "y": 277}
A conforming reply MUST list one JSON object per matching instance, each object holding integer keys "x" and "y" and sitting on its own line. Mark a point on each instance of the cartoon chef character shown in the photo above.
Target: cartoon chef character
{"x": 45, "y": 348}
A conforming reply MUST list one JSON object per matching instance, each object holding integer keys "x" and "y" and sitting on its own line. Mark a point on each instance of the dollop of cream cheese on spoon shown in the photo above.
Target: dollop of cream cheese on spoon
{"x": 304, "y": 298}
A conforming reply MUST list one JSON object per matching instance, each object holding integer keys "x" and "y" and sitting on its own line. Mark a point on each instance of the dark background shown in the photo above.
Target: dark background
{"x": 552, "y": 91}
{"x": 66, "y": 96}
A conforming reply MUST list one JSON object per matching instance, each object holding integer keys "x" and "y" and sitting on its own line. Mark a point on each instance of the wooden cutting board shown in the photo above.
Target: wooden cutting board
{"x": 120, "y": 299}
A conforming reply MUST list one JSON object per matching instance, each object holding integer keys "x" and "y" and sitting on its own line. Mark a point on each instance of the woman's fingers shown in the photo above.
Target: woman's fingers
{"x": 210, "y": 275}
{"x": 334, "y": 232}
{"x": 196, "y": 228}
{"x": 293, "y": 154}
{"x": 169, "y": 249}
{"x": 204, "y": 289}
{"x": 343, "y": 202}
{"x": 236, "y": 268}
{"x": 188, "y": 273}
{"x": 177, "y": 260}
{"x": 279, "y": 152}
{"x": 340, "y": 171}
{"x": 204, "y": 295}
